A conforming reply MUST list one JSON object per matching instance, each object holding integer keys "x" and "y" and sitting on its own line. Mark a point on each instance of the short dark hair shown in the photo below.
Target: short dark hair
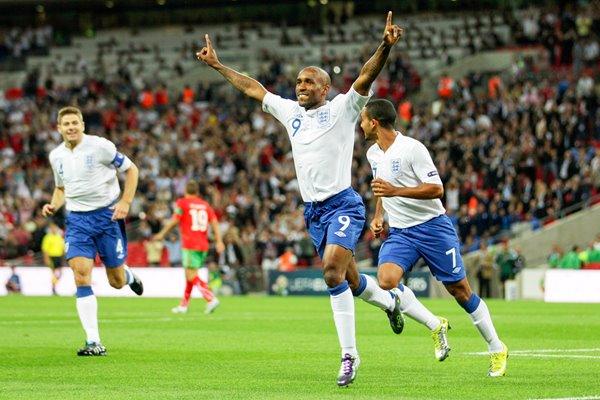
{"x": 383, "y": 111}
{"x": 192, "y": 187}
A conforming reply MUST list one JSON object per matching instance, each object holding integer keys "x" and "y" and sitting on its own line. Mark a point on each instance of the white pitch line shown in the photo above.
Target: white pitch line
{"x": 554, "y": 355}
{"x": 553, "y": 350}
{"x": 102, "y": 321}
{"x": 535, "y": 352}
{"x": 570, "y": 398}
{"x": 541, "y": 355}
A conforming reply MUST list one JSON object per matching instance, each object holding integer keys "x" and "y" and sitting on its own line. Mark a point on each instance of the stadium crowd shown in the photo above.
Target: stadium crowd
{"x": 517, "y": 147}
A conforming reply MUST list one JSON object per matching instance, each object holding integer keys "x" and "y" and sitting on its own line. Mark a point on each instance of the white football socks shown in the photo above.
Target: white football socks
{"x": 483, "y": 322}
{"x": 375, "y": 295}
{"x": 342, "y": 305}
{"x": 87, "y": 308}
{"x": 413, "y": 308}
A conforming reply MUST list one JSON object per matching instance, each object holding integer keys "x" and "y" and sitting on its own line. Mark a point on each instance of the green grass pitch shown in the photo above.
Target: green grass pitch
{"x": 286, "y": 348}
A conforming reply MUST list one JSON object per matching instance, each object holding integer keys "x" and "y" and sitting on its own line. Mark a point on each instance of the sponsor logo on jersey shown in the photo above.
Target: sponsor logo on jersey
{"x": 340, "y": 234}
{"x": 456, "y": 270}
{"x": 432, "y": 173}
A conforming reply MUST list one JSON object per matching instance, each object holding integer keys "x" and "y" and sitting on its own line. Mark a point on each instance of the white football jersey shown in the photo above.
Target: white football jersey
{"x": 406, "y": 163}
{"x": 322, "y": 141}
{"x": 88, "y": 173}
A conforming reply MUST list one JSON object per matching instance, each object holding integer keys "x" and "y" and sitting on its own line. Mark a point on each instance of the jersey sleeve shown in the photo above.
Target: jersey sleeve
{"x": 278, "y": 107}
{"x": 212, "y": 216}
{"x": 110, "y": 156}
{"x": 352, "y": 102}
{"x": 372, "y": 158}
{"x": 423, "y": 165}
{"x": 178, "y": 211}
{"x": 56, "y": 170}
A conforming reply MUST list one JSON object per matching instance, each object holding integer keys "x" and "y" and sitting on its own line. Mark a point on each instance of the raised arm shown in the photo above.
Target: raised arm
{"x": 371, "y": 69}
{"x": 249, "y": 86}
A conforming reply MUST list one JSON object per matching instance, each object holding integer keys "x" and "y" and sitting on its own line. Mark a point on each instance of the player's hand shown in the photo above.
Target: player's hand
{"x": 121, "y": 209}
{"x": 208, "y": 53}
{"x": 376, "y": 226}
{"x": 220, "y": 247}
{"x": 48, "y": 210}
{"x": 392, "y": 33}
{"x": 157, "y": 238}
{"x": 382, "y": 188}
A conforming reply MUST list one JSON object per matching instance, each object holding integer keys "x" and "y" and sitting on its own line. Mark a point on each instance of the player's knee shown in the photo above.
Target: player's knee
{"x": 387, "y": 283}
{"x": 116, "y": 282}
{"x": 332, "y": 277}
{"x": 461, "y": 294}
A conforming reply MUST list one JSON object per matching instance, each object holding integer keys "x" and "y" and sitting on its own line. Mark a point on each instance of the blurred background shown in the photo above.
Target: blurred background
{"x": 503, "y": 93}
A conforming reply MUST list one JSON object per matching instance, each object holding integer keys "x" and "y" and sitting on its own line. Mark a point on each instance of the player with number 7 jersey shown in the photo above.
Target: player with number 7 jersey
{"x": 194, "y": 216}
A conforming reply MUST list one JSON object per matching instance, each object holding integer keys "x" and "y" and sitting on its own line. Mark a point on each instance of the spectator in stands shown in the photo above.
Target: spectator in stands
{"x": 485, "y": 269}
{"x": 232, "y": 259}
{"x": 154, "y": 250}
{"x": 173, "y": 246}
{"x": 570, "y": 260}
{"x": 555, "y": 256}
{"x": 287, "y": 261}
{"x": 520, "y": 261}
{"x": 593, "y": 254}
{"x": 505, "y": 262}
{"x": 13, "y": 284}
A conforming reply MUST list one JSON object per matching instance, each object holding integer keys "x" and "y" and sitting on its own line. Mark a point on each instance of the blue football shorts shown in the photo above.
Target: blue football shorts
{"x": 435, "y": 240}
{"x": 94, "y": 232}
{"x": 339, "y": 220}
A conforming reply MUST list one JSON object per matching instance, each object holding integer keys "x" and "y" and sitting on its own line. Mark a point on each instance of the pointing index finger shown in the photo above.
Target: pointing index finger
{"x": 208, "y": 43}
{"x": 389, "y": 18}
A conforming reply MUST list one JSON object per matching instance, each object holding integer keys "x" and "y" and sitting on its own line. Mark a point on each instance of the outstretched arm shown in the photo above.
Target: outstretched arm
{"x": 249, "y": 86}
{"x": 369, "y": 71}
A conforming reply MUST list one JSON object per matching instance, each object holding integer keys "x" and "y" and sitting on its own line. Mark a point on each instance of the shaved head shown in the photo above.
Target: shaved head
{"x": 322, "y": 75}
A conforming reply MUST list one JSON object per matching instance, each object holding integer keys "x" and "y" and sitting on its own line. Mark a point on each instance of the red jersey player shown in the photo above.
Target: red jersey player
{"x": 194, "y": 216}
